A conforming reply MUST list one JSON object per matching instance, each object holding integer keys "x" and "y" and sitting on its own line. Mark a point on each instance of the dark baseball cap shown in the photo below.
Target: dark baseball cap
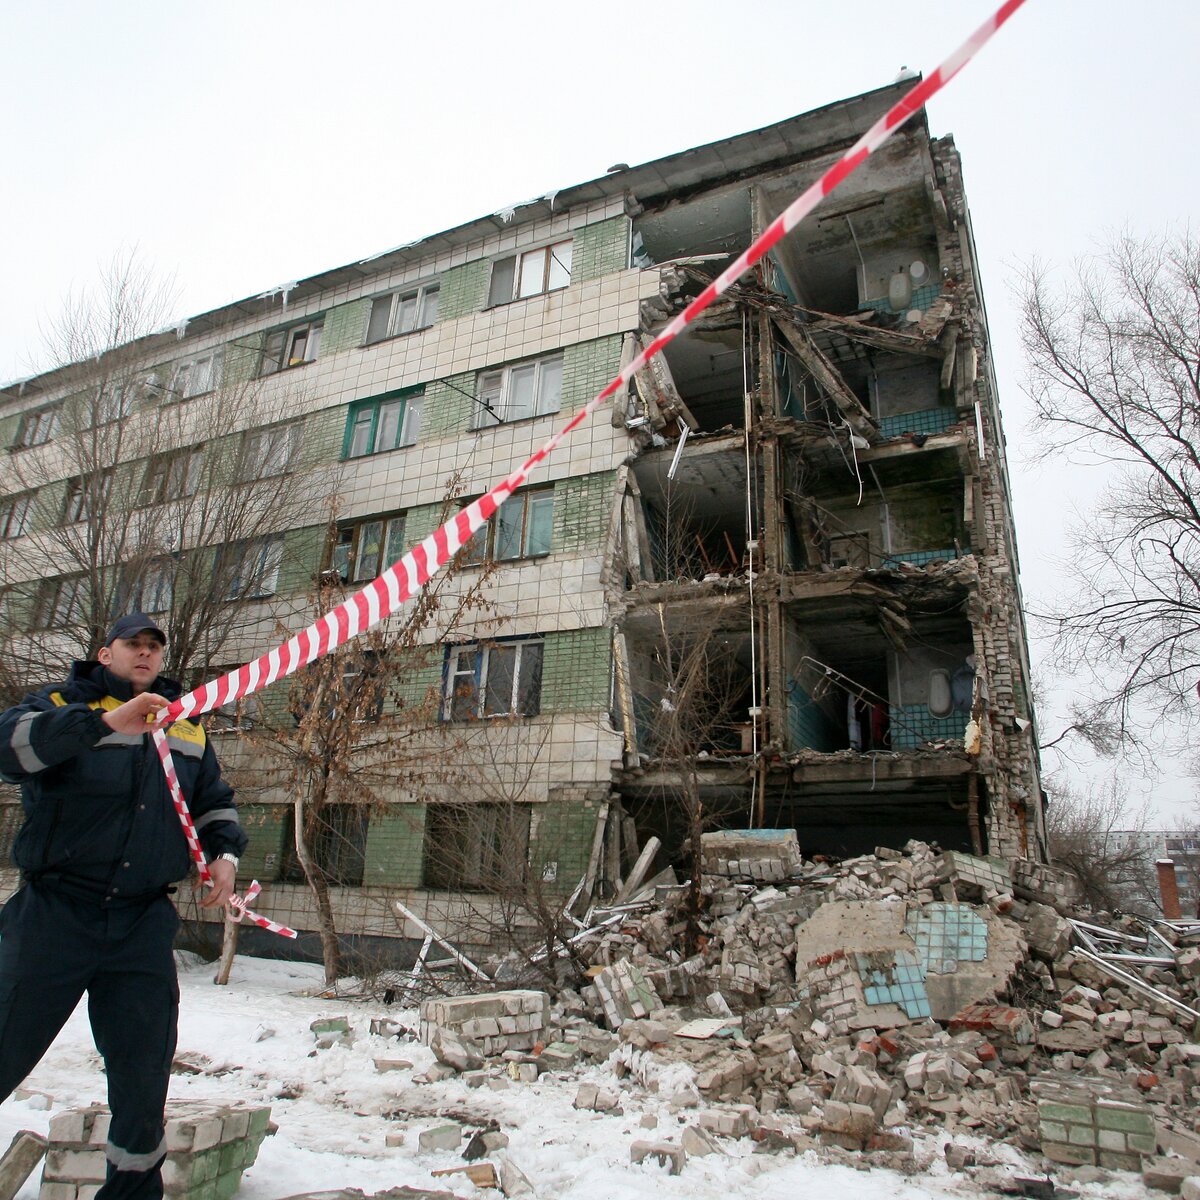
{"x": 130, "y": 626}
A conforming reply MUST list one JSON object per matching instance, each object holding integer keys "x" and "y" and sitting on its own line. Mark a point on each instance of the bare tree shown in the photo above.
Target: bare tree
{"x": 151, "y": 484}
{"x": 691, "y": 688}
{"x": 1103, "y": 841}
{"x": 1114, "y": 362}
{"x": 359, "y": 735}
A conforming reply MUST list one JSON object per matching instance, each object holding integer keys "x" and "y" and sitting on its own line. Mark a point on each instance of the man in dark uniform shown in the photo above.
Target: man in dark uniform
{"x": 99, "y": 850}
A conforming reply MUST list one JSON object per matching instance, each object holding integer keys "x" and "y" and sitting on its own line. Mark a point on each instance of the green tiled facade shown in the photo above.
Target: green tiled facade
{"x": 449, "y": 404}
{"x": 587, "y": 369}
{"x": 345, "y": 326}
{"x": 576, "y": 669}
{"x": 394, "y": 842}
{"x": 265, "y": 825}
{"x": 464, "y": 289}
{"x": 582, "y": 510}
{"x": 600, "y": 249}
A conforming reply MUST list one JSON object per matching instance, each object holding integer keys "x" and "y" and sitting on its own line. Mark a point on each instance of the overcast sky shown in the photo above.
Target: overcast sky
{"x": 241, "y": 144}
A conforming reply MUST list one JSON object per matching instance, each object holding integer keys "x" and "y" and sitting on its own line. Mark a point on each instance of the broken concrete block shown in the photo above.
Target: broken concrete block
{"x": 665, "y": 1154}
{"x": 760, "y": 854}
{"x": 440, "y": 1137}
{"x": 595, "y": 1099}
{"x": 392, "y": 1064}
{"x": 998, "y": 1022}
{"x": 24, "y": 1153}
{"x": 1166, "y": 1174}
{"x": 1189, "y": 1189}
{"x": 513, "y": 1181}
{"x": 451, "y": 1051}
{"x": 329, "y": 1030}
{"x": 697, "y": 1141}
{"x": 850, "y": 1126}
{"x": 624, "y": 993}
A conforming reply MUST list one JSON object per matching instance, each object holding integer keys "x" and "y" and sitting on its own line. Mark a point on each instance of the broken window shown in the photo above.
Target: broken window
{"x": 337, "y": 845}
{"x": 475, "y": 847}
{"x": 493, "y": 679}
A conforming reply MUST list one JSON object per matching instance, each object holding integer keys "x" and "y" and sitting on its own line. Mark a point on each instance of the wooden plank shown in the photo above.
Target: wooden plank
{"x": 629, "y": 842}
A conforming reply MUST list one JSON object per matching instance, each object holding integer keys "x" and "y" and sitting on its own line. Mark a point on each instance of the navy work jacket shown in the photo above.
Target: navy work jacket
{"x": 99, "y": 821}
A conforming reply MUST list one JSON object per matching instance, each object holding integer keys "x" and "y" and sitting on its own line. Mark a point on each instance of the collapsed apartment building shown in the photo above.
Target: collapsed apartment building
{"x": 778, "y": 589}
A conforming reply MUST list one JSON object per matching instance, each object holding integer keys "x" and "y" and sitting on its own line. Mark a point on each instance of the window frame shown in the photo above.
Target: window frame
{"x": 407, "y": 428}
{"x": 153, "y": 592}
{"x": 507, "y": 283}
{"x": 161, "y": 484}
{"x": 349, "y": 534}
{"x": 484, "y": 546}
{"x": 343, "y": 836}
{"x": 186, "y": 370}
{"x": 272, "y": 361}
{"x": 259, "y": 457}
{"x": 50, "y": 610}
{"x": 393, "y": 323}
{"x": 498, "y": 383}
{"x": 480, "y": 847}
{"x": 80, "y": 490}
{"x": 268, "y": 549}
{"x": 37, "y": 426}
{"x": 487, "y": 659}
{"x": 15, "y": 514}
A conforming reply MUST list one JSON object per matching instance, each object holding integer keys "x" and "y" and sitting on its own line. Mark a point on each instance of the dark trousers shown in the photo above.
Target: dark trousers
{"x": 53, "y": 948}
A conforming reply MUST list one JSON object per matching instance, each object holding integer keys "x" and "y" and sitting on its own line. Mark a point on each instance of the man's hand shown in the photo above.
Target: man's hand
{"x": 136, "y": 715}
{"x": 224, "y": 876}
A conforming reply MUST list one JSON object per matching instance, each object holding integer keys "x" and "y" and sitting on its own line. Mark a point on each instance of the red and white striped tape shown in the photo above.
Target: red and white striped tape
{"x": 237, "y": 905}
{"x": 384, "y": 595}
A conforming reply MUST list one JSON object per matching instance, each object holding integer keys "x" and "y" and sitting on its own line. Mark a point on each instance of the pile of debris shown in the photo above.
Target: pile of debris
{"x": 849, "y": 1006}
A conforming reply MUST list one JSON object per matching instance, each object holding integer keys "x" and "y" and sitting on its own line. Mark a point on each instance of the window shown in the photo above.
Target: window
{"x": 383, "y": 423}
{"x": 37, "y": 427}
{"x": 15, "y": 512}
{"x": 475, "y": 847}
{"x": 195, "y": 376}
{"x": 86, "y": 495}
{"x": 521, "y": 529}
{"x": 270, "y": 451}
{"x": 338, "y": 845}
{"x": 402, "y": 312}
{"x": 148, "y": 588}
{"x": 528, "y": 274}
{"x": 60, "y": 602}
{"x": 291, "y": 347}
{"x": 362, "y": 550}
{"x": 528, "y": 389}
{"x": 171, "y": 476}
{"x": 494, "y": 679}
{"x": 249, "y": 570}
{"x": 114, "y": 401}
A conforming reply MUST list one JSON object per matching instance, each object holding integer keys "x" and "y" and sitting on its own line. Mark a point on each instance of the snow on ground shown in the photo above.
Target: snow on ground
{"x": 333, "y": 1110}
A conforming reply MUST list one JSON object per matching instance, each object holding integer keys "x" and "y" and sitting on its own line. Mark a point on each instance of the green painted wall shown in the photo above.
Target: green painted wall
{"x": 566, "y": 826}
{"x": 241, "y": 359}
{"x": 600, "y": 249}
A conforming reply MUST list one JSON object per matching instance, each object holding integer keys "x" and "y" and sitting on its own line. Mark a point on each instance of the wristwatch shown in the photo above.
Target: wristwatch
{"x": 231, "y": 858}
